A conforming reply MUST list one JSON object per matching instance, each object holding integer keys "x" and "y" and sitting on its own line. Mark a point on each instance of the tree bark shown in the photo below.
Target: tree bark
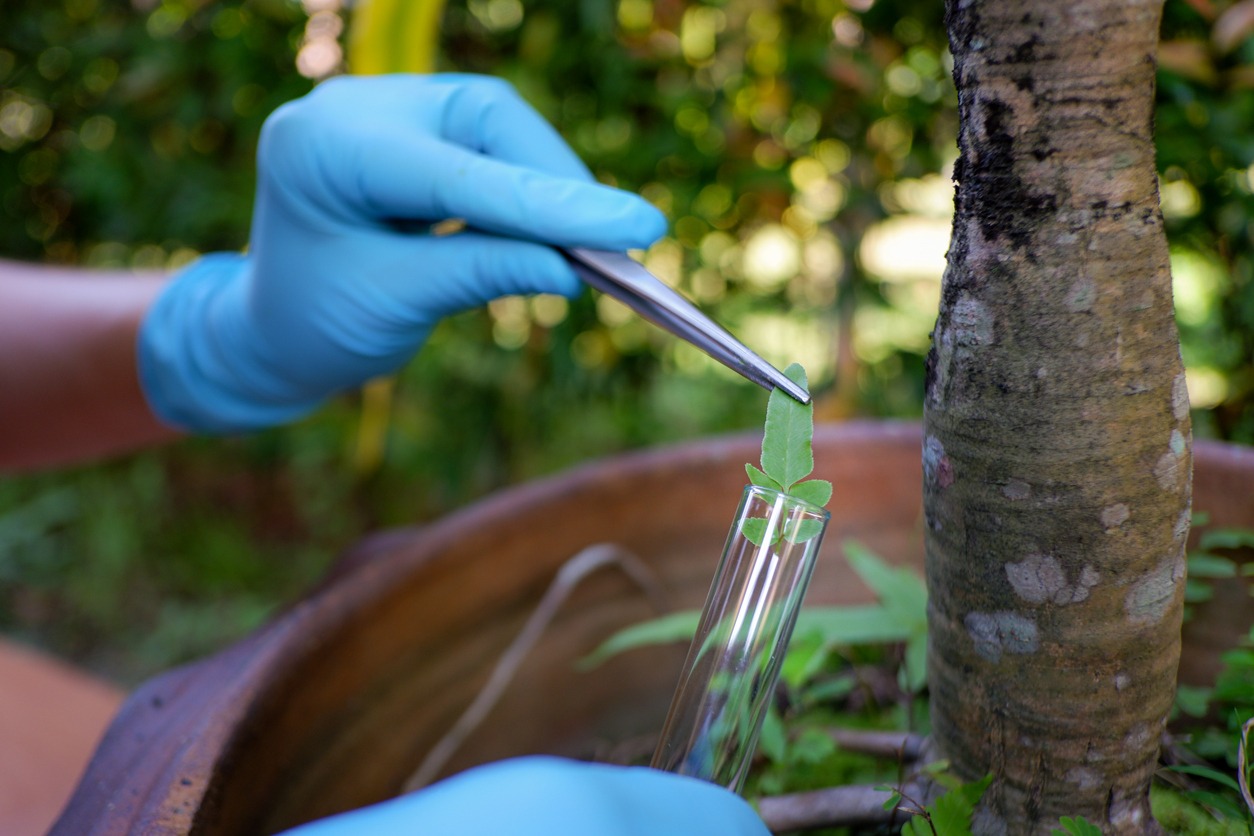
{"x": 1057, "y": 459}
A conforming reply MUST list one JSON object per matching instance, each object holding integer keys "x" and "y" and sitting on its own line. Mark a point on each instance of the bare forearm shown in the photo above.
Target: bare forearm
{"x": 69, "y": 388}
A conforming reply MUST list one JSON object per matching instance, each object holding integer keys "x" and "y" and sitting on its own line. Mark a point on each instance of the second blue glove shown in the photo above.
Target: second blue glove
{"x": 541, "y": 796}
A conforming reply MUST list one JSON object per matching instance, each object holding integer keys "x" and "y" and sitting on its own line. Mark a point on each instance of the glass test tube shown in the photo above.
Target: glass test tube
{"x": 733, "y": 663}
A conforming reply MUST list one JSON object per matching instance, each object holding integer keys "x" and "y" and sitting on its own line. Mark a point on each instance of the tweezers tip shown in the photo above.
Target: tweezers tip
{"x": 794, "y": 390}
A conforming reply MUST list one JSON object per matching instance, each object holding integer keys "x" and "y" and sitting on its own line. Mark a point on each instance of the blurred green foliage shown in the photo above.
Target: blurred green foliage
{"x": 130, "y": 134}
{"x": 1206, "y": 163}
{"x": 800, "y": 148}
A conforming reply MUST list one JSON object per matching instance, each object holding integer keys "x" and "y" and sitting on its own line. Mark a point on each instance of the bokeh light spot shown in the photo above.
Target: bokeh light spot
{"x": 97, "y": 132}
{"x": 772, "y": 256}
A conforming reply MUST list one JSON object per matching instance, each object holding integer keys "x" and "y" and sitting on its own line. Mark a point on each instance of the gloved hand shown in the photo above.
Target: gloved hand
{"x": 541, "y": 796}
{"x": 343, "y": 280}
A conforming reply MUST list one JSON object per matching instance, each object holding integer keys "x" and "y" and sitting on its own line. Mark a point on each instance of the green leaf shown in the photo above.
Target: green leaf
{"x": 1204, "y": 565}
{"x": 915, "y": 667}
{"x": 802, "y": 531}
{"x": 1218, "y": 802}
{"x": 1178, "y": 813}
{"x": 811, "y": 746}
{"x": 806, "y": 656}
{"x": 1076, "y": 826}
{"x": 754, "y": 530}
{"x": 1226, "y": 538}
{"x": 805, "y": 530}
{"x": 757, "y": 477}
{"x": 938, "y": 771}
{"x": 951, "y": 812}
{"x": 787, "y": 452}
{"x": 1192, "y": 700}
{"x": 1235, "y": 683}
{"x": 830, "y": 690}
{"x": 773, "y": 739}
{"x": 899, "y": 617}
{"x": 869, "y": 624}
{"x": 916, "y": 827}
{"x": 1209, "y": 773}
{"x": 1197, "y": 591}
{"x": 900, "y": 590}
{"x": 814, "y": 491}
{"x": 680, "y": 626}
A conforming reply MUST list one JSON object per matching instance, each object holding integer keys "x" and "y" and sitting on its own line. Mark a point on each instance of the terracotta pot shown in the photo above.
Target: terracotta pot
{"x": 333, "y": 704}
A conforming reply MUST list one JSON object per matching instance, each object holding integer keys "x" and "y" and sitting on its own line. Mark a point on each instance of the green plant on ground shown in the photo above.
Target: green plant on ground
{"x": 1076, "y": 826}
{"x": 850, "y": 668}
{"x": 949, "y": 813}
{"x": 1212, "y": 559}
{"x": 1217, "y": 715}
{"x": 1209, "y": 759}
{"x": 1179, "y": 814}
{"x": 846, "y": 667}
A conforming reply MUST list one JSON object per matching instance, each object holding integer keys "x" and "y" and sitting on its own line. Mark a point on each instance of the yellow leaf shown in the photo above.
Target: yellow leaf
{"x": 394, "y": 36}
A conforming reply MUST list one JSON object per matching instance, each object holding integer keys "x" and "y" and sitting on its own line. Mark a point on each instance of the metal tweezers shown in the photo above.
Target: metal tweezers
{"x": 624, "y": 278}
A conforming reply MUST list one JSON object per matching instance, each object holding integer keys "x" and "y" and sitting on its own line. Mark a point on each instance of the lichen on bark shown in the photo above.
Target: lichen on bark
{"x": 1056, "y": 454}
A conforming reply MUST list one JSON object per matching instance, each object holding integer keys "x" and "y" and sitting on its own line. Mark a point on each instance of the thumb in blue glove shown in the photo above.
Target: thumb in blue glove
{"x": 344, "y": 280}
{"x": 542, "y": 796}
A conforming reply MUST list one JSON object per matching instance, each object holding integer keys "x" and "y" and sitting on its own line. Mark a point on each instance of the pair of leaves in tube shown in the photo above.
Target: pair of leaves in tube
{"x": 787, "y": 458}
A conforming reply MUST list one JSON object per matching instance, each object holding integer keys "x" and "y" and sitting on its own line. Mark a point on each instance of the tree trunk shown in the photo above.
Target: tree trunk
{"x": 1057, "y": 442}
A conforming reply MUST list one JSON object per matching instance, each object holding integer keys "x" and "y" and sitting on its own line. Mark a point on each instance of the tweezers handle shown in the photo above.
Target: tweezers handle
{"x": 619, "y": 276}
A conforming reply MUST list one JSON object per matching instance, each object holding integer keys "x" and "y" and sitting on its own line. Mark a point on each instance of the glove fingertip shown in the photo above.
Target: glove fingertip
{"x": 558, "y": 278}
{"x": 569, "y": 286}
{"x": 619, "y": 221}
{"x": 649, "y": 224}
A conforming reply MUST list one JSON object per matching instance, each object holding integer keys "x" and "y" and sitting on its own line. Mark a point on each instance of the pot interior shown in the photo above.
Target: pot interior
{"x": 335, "y": 703}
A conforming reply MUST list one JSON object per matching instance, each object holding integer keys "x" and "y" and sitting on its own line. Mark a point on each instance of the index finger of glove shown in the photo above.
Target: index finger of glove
{"x": 402, "y": 175}
{"x": 488, "y": 115}
{"x": 480, "y": 113}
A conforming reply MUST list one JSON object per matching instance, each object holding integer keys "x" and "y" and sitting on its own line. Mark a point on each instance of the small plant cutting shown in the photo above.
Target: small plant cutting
{"x": 788, "y": 456}
{"x": 729, "y": 687}
{"x": 743, "y": 631}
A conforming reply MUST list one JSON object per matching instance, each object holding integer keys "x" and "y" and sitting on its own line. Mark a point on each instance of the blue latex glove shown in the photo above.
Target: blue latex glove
{"x": 541, "y": 796}
{"x": 332, "y": 292}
